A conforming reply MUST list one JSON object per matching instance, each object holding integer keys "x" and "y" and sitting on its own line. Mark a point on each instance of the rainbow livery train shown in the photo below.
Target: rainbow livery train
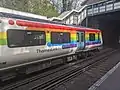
{"x": 27, "y": 42}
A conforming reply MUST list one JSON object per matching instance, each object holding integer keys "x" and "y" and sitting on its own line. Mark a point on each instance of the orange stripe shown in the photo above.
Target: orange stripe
{"x": 48, "y": 29}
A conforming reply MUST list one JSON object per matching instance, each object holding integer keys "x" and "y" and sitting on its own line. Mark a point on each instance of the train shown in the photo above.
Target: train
{"x": 28, "y": 44}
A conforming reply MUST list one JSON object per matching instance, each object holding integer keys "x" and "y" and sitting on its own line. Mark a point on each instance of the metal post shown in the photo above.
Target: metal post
{"x": 86, "y": 21}
{"x": 86, "y": 17}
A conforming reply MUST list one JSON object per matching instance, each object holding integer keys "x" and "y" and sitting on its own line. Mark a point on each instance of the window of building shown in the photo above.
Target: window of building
{"x": 60, "y": 37}
{"x": 91, "y": 37}
{"x": 23, "y": 38}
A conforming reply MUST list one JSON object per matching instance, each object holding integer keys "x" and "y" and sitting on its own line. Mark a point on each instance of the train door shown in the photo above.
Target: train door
{"x": 81, "y": 40}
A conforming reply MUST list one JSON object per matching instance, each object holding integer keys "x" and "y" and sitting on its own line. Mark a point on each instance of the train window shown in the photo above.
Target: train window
{"x": 98, "y": 36}
{"x": 60, "y": 37}
{"x": 66, "y": 37}
{"x": 55, "y": 38}
{"x": 82, "y": 37}
{"x": 77, "y": 37}
{"x": 23, "y": 38}
{"x": 91, "y": 37}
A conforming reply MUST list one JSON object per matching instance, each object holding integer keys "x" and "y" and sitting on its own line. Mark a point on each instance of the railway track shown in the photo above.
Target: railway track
{"x": 58, "y": 76}
{"x": 56, "y": 81}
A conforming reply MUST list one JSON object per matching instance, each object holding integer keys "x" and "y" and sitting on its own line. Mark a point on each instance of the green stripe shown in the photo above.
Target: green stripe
{"x": 3, "y": 42}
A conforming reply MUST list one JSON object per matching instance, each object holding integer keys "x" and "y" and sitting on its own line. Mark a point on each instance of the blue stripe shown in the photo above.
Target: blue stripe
{"x": 90, "y": 43}
{"x": 74, "y": 44}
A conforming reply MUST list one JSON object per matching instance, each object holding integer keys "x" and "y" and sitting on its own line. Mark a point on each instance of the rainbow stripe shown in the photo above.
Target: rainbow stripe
{"x": 48, "y": 35}
{"x": 92, "y": 42}
{"x": 3, "y": 38}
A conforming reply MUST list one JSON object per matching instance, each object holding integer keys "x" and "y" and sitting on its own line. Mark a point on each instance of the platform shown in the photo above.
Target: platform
{"x": 110, "y": 81}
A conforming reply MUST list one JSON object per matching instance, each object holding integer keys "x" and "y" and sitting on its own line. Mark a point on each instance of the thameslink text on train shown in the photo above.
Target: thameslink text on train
{"x": 47, "y": 50}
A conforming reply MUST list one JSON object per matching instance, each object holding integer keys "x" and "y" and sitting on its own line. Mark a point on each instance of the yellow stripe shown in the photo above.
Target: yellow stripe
{"x": 3, "y": 35}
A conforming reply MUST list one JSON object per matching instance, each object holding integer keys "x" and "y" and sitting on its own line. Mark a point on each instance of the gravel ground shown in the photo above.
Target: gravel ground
{"x": 88, "y": 78}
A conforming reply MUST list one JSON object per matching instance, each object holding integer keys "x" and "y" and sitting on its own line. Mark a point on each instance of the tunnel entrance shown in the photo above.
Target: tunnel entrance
{"x": 111, "y": 32}
{"x": 109, "y": 23}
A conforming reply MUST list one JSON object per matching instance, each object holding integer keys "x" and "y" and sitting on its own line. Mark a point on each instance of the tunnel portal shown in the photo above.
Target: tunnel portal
{"x": 109, "y": 23}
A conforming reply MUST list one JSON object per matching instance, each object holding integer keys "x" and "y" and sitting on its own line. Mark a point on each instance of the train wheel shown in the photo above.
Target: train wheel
{"x": 64, "y": 60}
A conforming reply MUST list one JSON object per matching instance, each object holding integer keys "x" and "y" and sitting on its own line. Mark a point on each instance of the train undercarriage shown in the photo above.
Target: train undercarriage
{"x": 31, "y": 68}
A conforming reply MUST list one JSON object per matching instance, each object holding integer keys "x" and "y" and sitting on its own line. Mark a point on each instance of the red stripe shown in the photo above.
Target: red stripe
{"x": 40, "y": 25}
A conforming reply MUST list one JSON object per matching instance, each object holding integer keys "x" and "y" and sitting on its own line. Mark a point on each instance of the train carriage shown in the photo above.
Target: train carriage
{"x": 29, "y": 41}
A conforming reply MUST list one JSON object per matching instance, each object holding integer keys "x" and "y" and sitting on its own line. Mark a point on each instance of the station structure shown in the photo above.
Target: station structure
{"x": 104, "y": 15}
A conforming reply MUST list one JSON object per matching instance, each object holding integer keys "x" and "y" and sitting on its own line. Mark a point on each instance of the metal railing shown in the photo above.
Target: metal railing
{"x": 103, "y": 7}
{"x": 93, "y": 9}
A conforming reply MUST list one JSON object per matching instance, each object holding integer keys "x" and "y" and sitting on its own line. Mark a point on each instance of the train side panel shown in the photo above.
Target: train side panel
{"x": 93, "y": 40}
{"x": 18, "y": 51}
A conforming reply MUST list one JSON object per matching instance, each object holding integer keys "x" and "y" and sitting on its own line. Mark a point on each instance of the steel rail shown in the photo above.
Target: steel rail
{"x": 50, "y": 84}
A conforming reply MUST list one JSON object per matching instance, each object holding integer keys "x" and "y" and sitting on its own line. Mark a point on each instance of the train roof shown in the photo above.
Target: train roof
{"x": 52, "y": 26}
{"x": 8, "y": 13}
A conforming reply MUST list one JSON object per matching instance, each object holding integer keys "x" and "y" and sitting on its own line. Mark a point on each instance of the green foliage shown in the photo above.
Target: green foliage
{"x": 41, "y": 7}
